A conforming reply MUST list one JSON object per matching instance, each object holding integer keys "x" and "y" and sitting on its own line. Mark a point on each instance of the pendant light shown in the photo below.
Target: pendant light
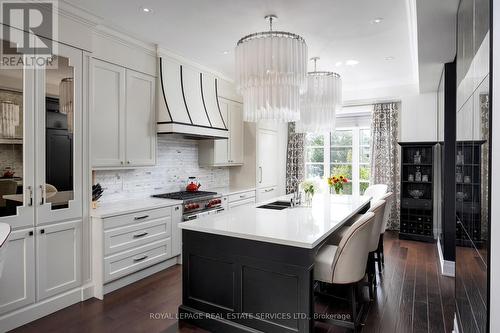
{"x": 271, "y": 71}
{"x": 319, "y": 105}
{"x": 66, "y": 92}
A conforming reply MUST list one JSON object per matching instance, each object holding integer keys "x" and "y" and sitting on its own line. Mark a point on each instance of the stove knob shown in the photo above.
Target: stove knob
{"x": 196, "y": 206}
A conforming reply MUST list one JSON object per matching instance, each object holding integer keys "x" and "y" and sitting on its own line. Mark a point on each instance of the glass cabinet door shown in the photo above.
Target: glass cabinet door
{"x": 16, "y": 142}
{"x": 59, "y": 137}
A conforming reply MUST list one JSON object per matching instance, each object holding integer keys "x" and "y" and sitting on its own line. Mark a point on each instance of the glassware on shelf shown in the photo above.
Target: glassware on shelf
{"x": 425, "y": 178}
{"x": 459, "y": 175}
{"x": 467, "y": 179}
{"x": 411, "y": 178}
{"x": 460, "y": 158}
{"x": 418, "y": 175}
{"x": 417, "y": 158}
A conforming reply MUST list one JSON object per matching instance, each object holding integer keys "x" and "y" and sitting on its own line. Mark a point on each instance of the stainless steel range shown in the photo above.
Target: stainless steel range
{"x": 196, "y": 204}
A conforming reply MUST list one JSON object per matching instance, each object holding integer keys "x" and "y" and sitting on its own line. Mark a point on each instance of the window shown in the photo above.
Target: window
{"x": 346, "y": 152}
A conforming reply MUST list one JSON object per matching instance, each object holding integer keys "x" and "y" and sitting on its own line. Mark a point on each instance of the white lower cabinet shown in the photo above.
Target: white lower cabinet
{"x": 17, "y": 285}
{"x": 126, "y": 245}
{"x": 241, "y": 199}
{"x": 58, "y": 259}
{"x": 267, "y": 193}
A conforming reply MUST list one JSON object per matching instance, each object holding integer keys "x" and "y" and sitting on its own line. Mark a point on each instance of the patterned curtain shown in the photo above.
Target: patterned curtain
{"x": 294, "y": 159}
{"x": 385, "y": 154}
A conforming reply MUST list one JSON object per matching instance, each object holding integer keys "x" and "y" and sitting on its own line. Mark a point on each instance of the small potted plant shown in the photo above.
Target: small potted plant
{"x": 309, "y": 187}
{"x": 337, "y": 182}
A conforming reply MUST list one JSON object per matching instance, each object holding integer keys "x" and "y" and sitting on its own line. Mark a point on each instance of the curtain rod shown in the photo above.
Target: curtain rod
{"x": 365, "y": 103}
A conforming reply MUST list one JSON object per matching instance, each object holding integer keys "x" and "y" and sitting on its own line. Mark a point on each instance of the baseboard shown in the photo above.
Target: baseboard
{"x": 87, "y": 291}
{"x": 38, "y": 310}
{"x": 134, "y": 277}
{"x": 447, "y": 267}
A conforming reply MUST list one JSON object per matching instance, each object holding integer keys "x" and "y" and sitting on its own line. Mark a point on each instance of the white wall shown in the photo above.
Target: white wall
{"x": 495, "y": 178}
{"x": 418, "y": 121}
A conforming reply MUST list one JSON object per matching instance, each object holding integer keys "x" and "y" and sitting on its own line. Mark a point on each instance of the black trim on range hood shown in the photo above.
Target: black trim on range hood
{"x": 179, "y": 105}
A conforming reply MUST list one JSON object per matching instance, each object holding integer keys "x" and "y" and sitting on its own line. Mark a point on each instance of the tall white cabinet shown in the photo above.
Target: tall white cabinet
{"x": 123, "y": 120}
{"x": 45, "y": 211}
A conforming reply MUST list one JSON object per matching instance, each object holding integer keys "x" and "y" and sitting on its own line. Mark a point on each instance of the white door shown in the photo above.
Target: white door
{"x": 236, "y": 133}
{"x": 140, "y": 120}
{"x": 17, "y": 145}
{"x": 107, "y": 115}
{"x": 17, "y": 284}
{"x": 58, "y": 258}
{"x": 267, "y": 158}
{"x": 58, "y": 137}
{"x": 221, "y": 148}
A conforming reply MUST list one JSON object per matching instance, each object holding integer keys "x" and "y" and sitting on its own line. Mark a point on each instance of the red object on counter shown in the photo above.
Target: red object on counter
{"x": 193, "y": 185}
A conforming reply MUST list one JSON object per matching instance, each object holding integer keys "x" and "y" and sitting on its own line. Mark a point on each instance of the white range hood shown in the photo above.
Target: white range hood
{"x": 188, "y": 102}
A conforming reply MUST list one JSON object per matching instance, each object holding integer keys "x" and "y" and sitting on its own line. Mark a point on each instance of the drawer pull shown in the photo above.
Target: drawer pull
{"x": 140, "y": 258}
{"x": 269, "y": 190}
{"x": 242, "y": 196}
{"x": 141, "y": 217}
{"x": 141, "y": 235}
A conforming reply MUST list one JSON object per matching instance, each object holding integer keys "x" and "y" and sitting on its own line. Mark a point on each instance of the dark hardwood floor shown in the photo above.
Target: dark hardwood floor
{"x": 411, "y": 297}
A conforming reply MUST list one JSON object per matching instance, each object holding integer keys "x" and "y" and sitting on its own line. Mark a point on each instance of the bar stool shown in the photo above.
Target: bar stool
{"x": 389, "y": 199}
{"x": 345, "y": 264}
{"x": 376, "y": 191}
{"x": 378, "y": 209}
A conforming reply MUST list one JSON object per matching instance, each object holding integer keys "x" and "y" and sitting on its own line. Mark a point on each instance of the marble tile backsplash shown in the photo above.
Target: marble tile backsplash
{"x": 177, "y": 159}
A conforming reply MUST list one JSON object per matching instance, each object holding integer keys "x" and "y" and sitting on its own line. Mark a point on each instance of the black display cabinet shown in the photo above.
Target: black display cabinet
{"x": 468, "y": 182}
{"x": 417, "y": 191}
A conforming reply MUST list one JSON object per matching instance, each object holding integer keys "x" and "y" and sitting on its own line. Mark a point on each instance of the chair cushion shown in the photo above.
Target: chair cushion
{"x": 323, "y": 263}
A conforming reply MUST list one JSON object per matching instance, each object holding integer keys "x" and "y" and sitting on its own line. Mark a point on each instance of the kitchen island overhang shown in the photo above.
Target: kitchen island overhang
{"x": 251, "y": 269}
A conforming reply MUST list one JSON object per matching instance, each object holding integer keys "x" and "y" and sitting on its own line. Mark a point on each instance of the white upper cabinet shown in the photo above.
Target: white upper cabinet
{"x": 123, "y": 122}
{"x": 107, "y": 121}
{"x": 225, "y": 152}
{"x": 140, "y": 131}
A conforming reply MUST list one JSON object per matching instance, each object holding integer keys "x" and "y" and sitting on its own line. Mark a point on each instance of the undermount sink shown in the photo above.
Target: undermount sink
{"x": 277, "y": 205}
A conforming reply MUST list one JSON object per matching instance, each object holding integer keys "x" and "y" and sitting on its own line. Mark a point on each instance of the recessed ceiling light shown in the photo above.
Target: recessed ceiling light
{"x": 377, "y": 20}
{"x": 146, "y": 10}
{"x": 389, "y": 58}
{"x": 225, "y": 52}
{"x": 351, "y": 62}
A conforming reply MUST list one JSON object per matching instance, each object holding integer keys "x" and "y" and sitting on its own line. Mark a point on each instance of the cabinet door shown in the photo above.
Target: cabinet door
{"x": 107, "y": 117}
{"x": 17, "y": 284}
{"x": 264, "y": 194}
{"x": 267, "y": 158}
{"x": 236, "y": 133}
{"x": 60, "y": 88}
{"x": 58, "y": 258}
{"x": 221, "y": 147}
{"x": 140, "y": 128}
{"x": 17, "y": 145}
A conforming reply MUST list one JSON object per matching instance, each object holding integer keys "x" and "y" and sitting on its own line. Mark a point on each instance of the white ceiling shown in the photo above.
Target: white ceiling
{"x": 335, "y": 30}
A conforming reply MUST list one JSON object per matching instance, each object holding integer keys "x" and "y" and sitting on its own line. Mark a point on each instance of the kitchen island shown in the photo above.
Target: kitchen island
{"x": 251, "y": 269}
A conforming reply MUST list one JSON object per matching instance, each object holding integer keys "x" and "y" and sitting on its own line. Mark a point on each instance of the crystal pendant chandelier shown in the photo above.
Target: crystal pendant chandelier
{"x": 271, "y": 70}
{"x": 66, "y": 91}
{"x": 318, "y": 106}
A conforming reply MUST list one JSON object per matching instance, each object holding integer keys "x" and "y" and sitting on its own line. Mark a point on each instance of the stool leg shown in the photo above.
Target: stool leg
{"x": 354, "y": 306}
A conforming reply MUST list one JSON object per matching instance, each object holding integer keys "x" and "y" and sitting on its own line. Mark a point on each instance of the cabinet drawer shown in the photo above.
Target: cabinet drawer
{"x": 241, "y": 196}
{"x": 128, "y": 262}
{"x": 124, "y": 238}
{"x": 267, "y": 193}
{"x": 416, "y": 203}
{"x": 249, "y": 202}
{"x": 137, "y": 217}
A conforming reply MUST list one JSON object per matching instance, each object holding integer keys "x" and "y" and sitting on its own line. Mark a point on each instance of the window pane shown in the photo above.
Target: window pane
{"x": 314, "y": 170}
{"x": 364, "y": 137}
{"x": 363, "y": 187}
{"x": 341, "y": 169}
{"x": 364, "y": 154}
{"x": 341, "y": 155}
{"x": 314, "y": 155}
{"x": 314, "y": 139}
{"x": 364, "y": 172}
{"x": 342, "y": 138}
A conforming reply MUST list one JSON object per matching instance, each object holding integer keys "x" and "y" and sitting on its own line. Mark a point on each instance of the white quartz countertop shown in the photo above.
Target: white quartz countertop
{"x": 301, "y": 226}
{"x": 110, "y": 209}
{"x": 232, "y": 189}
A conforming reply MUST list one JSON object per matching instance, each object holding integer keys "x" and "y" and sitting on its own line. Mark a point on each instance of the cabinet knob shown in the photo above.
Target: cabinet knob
{"x": 177, "y": 208}
{"x": 42, "y": 231}
{"x": 30, "y": 233}
{"x": 121, "y": 162}
{"x": 128, "y": 162}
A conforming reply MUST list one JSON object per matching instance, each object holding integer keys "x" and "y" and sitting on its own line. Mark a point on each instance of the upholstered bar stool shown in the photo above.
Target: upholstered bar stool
{"x": 378, "y": 209}
{"x": 389, "y": 199}
{"x": 376, "y": 191}
{"x": 345, "y": 264}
